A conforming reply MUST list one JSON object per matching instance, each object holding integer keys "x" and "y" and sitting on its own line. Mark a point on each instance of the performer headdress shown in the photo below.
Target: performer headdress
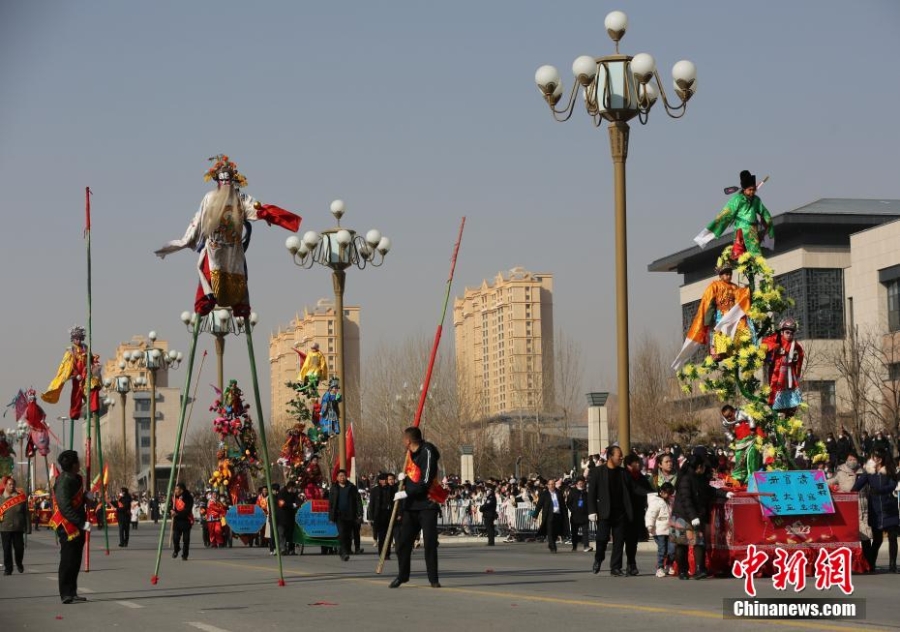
{"x": 788, "y": 323}
{"x": 747, "y": 179}
{"x": 724, "y": 266}
{"x": 223, "y": 168}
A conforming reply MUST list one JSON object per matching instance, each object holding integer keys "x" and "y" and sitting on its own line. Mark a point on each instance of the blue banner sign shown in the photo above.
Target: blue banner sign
{"x": 312, "y": 517}
{"x": 245, "y": 519}
{"x": 792, "y": 493}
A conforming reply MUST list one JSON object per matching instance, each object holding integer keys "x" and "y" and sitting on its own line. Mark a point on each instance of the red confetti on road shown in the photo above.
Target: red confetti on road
{"x": 323, "y": 603}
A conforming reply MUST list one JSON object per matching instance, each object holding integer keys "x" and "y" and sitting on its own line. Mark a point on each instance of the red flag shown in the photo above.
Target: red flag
{"x": 739, "y": 246}
{"x": 87, "y": 210}
{"x": 351, "y": 453}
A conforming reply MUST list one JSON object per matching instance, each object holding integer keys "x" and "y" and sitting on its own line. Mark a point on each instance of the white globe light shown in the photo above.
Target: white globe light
{"x": 384, "y": 246}
{"x": 107, "y": 382}
{"x": 185, "y": 317}
{"x": 338, "y": 207}
{"x": 343, "y": 237}
{"x": 684, "y": 73}
{"x": 547, "y": 78}
{"x": 648, "y": 94}
{"x": 222, "y": 315}
{"x": 643, "y": 66}
{"x": 254, "y": 318}
{"x": 122, "y": 365}
{"x": 686, "y": 93}
{"x": 364, "y": 250}
{"x": 311, "y": 239}
{"x": 126, "y": 356}
{"x": 585, "y": 69}
{"x": 616, "y": 24}
{"x": 303, "y": 250}
{"x": 180, "y": 356}
{"x": 152, "y": 335}
{"x": 156, "y": 354}
{"x": 293, "y": 244}
{"x": 373, "y": 237}
{"x": 172, "y": 354}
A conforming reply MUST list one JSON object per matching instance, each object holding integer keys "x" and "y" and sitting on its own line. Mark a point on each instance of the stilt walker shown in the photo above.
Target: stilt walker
{"x": 217, "y": 232}
{"x": 424, "y": 394}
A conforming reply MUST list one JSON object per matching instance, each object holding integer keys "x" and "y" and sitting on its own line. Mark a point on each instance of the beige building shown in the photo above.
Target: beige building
{"x": 137, "y": 415}
{"x": 504, "y": 343}
{"x": 316, "y": 325}
{"x": 839, "y": 259}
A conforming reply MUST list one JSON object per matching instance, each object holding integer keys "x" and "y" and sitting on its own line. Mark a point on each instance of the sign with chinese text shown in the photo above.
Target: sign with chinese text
{"x": 792, "y": 493}
{"x": 245, "y": 519}
{"x": 312, "y": 517}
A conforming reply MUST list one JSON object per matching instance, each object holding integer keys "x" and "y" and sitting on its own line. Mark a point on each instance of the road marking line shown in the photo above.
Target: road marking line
{"x": 706, "y": 614}
{"x": 129, "y": 604}
{"x": 205, "y": 627}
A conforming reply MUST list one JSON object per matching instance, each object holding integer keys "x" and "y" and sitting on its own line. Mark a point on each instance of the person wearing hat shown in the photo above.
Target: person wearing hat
{"x": 577, "y": 503}
{"x": 331, "y": 408}
{"x": 488, "y": 511}
{"x": 313, "y": 371}
{"x": 747, "y": 213}
{"x": 74, "y": 367}
{"x": 784, "y": 358}
{"x": 717, "y": 300}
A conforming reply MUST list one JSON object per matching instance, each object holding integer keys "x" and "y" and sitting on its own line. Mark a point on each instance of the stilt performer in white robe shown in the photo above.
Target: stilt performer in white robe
{"x": 217, "y": 233}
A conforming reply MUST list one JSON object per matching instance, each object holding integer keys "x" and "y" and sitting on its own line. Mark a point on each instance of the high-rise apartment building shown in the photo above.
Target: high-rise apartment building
{"x": 504, "y": 344}
{"x": 316, "y": 325}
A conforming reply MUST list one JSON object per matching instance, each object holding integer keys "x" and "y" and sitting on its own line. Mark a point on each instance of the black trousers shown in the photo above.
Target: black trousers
{"x": 181, "y": 537}
{"x": 357, "y": 543}
{"x": 554, "y": 529}
{"x": 69, "y": 563}
{"x": 491, "y": 529}
{"x": 579, "y": 532}
{"x": 381, "y": 533}
{"x": 877, "y": 540}
{"x": 615, "y": 527}
{"x": 632, "y": 534}
{"x": 345, "y": 535}
{"x": 124, "y": 530}
{"x": 286, "y": 534}
{"x": 681, "y": 557}
{"x": 424, "y": 520}
{"x": 12, "y": 541}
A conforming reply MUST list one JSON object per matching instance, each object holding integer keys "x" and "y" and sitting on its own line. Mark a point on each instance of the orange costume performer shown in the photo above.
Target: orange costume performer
{"x": 215, "y": 512}
{"x": 723, "y": 308}
{"x": 74, "y": 367}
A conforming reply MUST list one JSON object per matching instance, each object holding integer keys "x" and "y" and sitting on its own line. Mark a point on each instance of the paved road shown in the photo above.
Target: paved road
{"x": 511, "y": 587}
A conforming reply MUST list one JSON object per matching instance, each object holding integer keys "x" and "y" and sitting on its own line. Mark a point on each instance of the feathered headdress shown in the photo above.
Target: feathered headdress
{"x": 222, "y": 163}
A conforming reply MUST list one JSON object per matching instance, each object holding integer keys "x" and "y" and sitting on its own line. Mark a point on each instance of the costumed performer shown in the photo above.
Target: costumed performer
{"x": 748, "y": 214}
{"x": 313, "y": 371}
{"x": 70, "y": 522}
{"x": 216, "y": 232}
{"x": 717, "y": 311}
{"x": 215, "y": 514}
{"x": 331, "y": 411}
{"x": 742, "y": 431}
{"x": 784, "y": 356}
{"x": 74, "y": 367}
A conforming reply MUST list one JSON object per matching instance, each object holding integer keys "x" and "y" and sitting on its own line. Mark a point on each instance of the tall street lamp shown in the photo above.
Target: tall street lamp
{"x": 153, "y": 359}
{"x": 618, "y": 88}
{"x": 64, "y": 419}
{"x": 219, "y": 322}
{"x": 338, "y": 249}
{"x": 121, "y": 384}
{"x": 18, "y": 433}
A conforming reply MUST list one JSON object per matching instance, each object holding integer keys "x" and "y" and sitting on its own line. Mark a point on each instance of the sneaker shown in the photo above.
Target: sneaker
{"x": 660, "y": 572}
{"x": 671, "y": 571}
{"x": 588, "y": 549}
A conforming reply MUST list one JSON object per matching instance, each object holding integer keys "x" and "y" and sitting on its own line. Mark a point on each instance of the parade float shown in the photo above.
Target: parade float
{"x": 741, "y": 350}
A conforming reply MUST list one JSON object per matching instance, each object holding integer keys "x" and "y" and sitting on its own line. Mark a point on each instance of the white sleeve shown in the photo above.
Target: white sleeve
{"x": 704, "y": 237}
{"x": 188, "y": 241}
{"x": 248, "y": 205}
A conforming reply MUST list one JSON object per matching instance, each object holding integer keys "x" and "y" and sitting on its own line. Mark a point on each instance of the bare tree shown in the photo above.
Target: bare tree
{"x": 853, "y": 368}
{"x": 653, "y": 393}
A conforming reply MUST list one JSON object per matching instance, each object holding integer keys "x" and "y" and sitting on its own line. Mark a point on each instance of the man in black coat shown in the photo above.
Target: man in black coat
{"x": 343, "y": 510}
{"x": 380, "y": 507}
{"x": 577, "y": 503}
{"x": 552, "y": 508}
{"x": 123, "y": 516}
{"x": 634, "y": 531}
{"x": 285, "y": 510}
{"x": 610, "y": 491}
{"x": 489, "y": 513}
{"x": 70, "y": 522}
{"x": 182, "y": 520}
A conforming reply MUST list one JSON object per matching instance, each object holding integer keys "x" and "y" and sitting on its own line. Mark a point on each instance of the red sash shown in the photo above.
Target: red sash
{"x": 18, "y": 499}
{"x": 436, "y": 492}
{"x": 58, "y": 520}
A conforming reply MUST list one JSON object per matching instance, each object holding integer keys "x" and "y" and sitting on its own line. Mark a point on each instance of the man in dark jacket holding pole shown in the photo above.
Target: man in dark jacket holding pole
{"x": 123, "y": 516}
{"x": 380, "y": 504}
{"x": 420, "y": 509}
{"x": 69, "y": 520}
{"x": 285, "y": 511}
{"x": 182, "y": 520}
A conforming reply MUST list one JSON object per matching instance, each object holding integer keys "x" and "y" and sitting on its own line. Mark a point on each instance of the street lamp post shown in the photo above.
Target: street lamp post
{"x": 153, "y": 359}
{"x": 338, "y": 249}
{"x": 18, "y": 434}
{"x": 618, "y": 88}
{"x": 122, "y": 385}
{"x": 64, "y": 419}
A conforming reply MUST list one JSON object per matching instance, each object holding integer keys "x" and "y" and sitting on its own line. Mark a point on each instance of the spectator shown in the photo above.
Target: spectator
{"x": 881, "y": 443}
{"x": 489, "y": 513}
{"x": 123, "y": 515}
{"x": 844, "y": 446}
{"x": 286, "y": 503}
{"x": 634, "y": 531}
{"x": 344, "y": 510}
{"x": 665, "y": 471}
{"x": 865, "y": 444}
{"x": 657, "y": 523}
{"x": 552, "y": 509}
{"x": 831, "y": 449}
{"x": 13, "y": 523}
{"x": 881, "y": 479}
{"x": 577, "y": 505}
{"x": 380, "y": 507}
{"x": 843, "y": 480}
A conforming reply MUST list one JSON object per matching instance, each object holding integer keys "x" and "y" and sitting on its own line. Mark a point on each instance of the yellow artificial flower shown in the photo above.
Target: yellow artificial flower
{"x": 744, "y": 258}
{"x": 686, "y": 389}
{"x": 728, "y": 363}
{"x": 765, "y": 390}
{"x": 704, "y": 388}
{"x": 709, "y": 362}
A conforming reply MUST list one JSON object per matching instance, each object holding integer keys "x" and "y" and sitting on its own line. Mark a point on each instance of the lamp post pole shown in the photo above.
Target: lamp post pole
{"x": 338, "y": 249}
{"x": 618, "y": 88}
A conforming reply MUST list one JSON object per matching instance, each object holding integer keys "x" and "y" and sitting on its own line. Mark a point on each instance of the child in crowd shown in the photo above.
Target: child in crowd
{"x": 657, "y": 522}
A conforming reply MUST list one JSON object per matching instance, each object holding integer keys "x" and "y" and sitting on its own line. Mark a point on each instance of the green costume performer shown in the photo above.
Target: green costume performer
{"x": 742, "y": 430}
{"x": 748, "y": 214}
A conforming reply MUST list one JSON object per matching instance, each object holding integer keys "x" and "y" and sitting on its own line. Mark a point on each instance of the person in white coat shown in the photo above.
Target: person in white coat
{"x": 657, "y": 522}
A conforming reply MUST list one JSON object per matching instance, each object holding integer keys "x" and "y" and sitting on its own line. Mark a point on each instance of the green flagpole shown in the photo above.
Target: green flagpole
{"x": 103, "y": 491}
{"x": 88, "y": 379}
{"x": 265, "y": 450}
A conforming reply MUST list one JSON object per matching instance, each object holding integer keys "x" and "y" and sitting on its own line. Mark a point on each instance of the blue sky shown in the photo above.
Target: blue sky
{"x": 415, "y": 114}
